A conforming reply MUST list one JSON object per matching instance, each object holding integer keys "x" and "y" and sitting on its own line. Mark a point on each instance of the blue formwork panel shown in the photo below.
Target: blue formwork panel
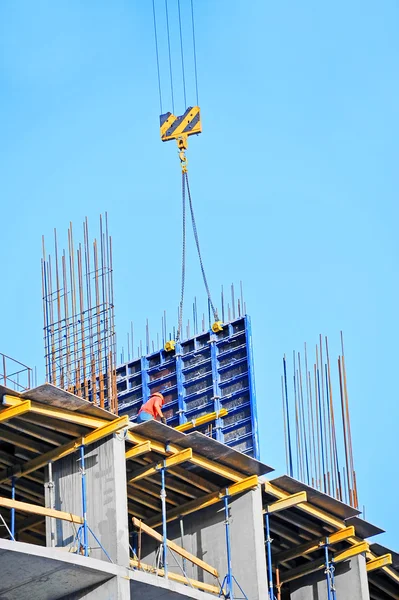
{"x": 204, "y": 374}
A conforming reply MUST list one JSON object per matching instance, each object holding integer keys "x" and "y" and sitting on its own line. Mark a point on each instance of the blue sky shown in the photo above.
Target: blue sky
{"x": 294, "y": 180}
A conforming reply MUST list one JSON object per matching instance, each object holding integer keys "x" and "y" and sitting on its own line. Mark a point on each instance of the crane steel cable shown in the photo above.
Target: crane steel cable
{"x": 215, "y": 313}
{"x": 157, "y": 54}
{"x": 195, "y": 51}
{"x": 183, "y": 265}
{"x": 170, "y": 57}
{"x": 182, "y": 56}
{"x": 186, "y": 186}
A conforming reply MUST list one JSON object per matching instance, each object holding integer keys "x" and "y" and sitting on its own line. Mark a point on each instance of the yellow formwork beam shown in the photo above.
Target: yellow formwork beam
{"x": 40, "y": 510}
{"x": 15, "y": 411}
{"x": 196, "y": 459}
{"x": 208, "y": 500}
{"x": 202, "y": 420}
{"x": 314, "y": 545}
{"x": 350, "y": 552}
{"x": 138, "y": 450}
{"x": 318, "y": 513}
{"x": 379, "y": 562}
{"x": 176, "y": 548}
{"x": 217, "y": 468}
{"x": 135, "y": 438}
{"x": 57, "y": 413}
{"x": 285, "y": 503}
{"x": 108, "y": 429}
{"x": 176, "y": 459}
{"x": 205, "y": 587}
{"x": 320, "y": 564}
{"x": 392, "y": 574}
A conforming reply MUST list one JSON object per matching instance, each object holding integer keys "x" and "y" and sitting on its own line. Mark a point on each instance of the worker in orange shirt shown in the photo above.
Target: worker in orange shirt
{"x": 152, "y": 409}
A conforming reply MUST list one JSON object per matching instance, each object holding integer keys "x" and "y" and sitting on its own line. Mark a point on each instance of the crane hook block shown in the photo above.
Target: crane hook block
{"x": 173, "y": 127}
{"x": 170, "y": 346}
{"x": 217, "y": 326}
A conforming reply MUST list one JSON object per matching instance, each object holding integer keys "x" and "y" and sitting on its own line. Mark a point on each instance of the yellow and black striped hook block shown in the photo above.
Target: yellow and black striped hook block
{"x": 173, "y": 127}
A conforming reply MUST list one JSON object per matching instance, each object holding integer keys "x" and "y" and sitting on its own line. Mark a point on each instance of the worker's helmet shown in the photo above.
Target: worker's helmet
{"x": 160, "y": 396}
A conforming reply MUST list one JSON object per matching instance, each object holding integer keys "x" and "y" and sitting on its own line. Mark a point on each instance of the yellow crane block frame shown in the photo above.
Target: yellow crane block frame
{"x": 173, "y": 128}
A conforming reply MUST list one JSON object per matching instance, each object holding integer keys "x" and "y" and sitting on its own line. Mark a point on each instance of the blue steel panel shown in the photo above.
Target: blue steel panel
{"x": 205, "y": 373}
{"x": 216, "y": 388}
{"x": 252, "y": 392}
{"x": 180, "y": 386}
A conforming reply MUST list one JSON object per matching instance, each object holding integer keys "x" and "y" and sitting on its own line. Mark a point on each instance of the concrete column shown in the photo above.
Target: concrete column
{"x": 204, "y": 536}
{"x": 350, "y": 583}
{"x": 106, "y": 499}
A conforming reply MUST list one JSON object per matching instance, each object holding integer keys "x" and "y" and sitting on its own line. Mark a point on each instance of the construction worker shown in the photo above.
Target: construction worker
{"x": 152, "y": 409}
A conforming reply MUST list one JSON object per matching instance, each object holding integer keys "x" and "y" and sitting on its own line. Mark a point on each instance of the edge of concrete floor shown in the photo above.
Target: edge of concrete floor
{"x": 30, "y": 571}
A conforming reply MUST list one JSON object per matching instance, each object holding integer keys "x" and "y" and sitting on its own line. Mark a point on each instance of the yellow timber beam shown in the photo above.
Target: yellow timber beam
{"x": 109, "y": 428}
{"x": 304, "y": 570}
{"x": 57, "y": 413}
{"x": 15, "y": 411}
{"x": 178, "y": 549}
{"x": 350, "y": 552}
{"x": 195, "y": 505}
{"x": 176, "y": 459}
{"x": 194, "y": 480}
{"x": 379, "y": 562}
{"x": 202, "y": 420}
{"x": 217, "y": 468}
{"x": 392, "y": 574}
{"x": 139, "y": 450}
{"x": 196, "y": 459}
{"x": 318, "y": 513}
{"x": 285, "y": 503}
{"x": 135, "y": 438}
{"x": 205, "y": 587}
{"x": 106, "y": 429}
{"x": 40, "y": 510}
{"x": 313, "y": 545}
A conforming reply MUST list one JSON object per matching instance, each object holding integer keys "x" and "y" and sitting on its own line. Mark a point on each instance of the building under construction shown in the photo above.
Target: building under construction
{"x": 95, "y": 506}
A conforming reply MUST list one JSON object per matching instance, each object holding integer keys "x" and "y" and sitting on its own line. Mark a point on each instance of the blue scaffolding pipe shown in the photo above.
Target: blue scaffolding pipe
{"x": 329, "y": 575}
{"x": 228, "y": 547}
{"x": 229, "y": 578}
{"x": 269, "y": 557}
{"x": 182, "y": 540}
{"x": 164, "y": 529}
{"x": 84, "y": 502}
{"x": 13, "y": 509}
{"x": 84, "y": 528}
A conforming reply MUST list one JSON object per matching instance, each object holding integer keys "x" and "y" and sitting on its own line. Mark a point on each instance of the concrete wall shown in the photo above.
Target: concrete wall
{"x": 350, "y": 583}
{"x": 106, "y": 499}
{"x": 204, "y": 536}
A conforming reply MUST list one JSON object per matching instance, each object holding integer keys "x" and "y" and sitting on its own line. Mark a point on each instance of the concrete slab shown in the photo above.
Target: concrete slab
{"x": 29, "y": 571}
